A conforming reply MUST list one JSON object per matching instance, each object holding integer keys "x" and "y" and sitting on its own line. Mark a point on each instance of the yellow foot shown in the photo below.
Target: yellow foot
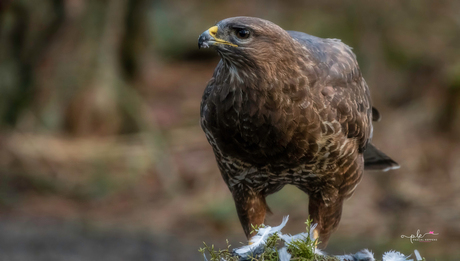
{"x": 316, "y": 236}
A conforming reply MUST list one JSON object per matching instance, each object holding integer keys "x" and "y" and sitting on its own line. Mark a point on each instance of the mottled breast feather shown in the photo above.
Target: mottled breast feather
{"x": 258, "y": 121}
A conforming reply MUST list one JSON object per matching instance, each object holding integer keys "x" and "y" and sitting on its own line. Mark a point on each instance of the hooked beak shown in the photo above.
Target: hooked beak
{"x": 209, "y": 38}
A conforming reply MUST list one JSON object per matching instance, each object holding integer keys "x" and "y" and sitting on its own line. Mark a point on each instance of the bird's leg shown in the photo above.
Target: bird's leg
{"x": 251, "y": 208}
{"x": 326, "y": 216}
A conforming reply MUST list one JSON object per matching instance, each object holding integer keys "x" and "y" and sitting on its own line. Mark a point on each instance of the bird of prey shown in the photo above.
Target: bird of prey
{"x": 285, "y": 107}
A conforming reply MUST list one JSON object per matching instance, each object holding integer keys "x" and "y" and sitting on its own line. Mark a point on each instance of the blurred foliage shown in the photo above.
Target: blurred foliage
{"x": 99, "y": 106}
{"x": 64, "y": 63}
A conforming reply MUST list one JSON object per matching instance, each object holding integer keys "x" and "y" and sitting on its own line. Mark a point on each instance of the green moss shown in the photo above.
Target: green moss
{"x": 218, "y": 255}
{"x": 300, "y": 249}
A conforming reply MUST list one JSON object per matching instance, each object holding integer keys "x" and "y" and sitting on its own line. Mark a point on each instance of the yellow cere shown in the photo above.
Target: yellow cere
{"x": 213, "y": 33}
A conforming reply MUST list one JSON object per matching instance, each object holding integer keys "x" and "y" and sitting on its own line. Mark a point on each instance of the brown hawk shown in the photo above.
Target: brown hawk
{"x": 285, "y": 107}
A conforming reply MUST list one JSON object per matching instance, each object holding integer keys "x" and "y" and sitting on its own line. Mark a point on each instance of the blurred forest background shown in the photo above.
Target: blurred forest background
{"x": 102, "y": 156}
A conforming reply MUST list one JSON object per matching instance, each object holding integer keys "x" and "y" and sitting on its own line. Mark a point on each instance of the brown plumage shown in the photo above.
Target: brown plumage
{"x": 285, "y": 107}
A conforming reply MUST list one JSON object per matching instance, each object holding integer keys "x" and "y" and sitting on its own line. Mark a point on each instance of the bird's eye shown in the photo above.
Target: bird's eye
{"x": 242, "y": 33}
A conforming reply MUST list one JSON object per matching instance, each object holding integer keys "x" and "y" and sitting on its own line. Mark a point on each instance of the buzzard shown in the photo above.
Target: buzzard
{"x": 285, "y": 107}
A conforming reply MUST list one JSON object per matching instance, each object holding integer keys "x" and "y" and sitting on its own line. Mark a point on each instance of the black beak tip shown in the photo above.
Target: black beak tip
{"x": 203, "y": 41}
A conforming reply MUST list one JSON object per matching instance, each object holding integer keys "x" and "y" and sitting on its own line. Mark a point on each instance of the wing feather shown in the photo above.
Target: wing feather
{"x": 345, "y": 90}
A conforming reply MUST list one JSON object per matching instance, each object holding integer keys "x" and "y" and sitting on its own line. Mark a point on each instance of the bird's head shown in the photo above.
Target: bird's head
{"x": 247, "y": 40}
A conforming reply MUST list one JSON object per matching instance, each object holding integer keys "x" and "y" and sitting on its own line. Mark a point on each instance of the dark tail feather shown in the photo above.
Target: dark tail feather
{"x": 374, "y": 159}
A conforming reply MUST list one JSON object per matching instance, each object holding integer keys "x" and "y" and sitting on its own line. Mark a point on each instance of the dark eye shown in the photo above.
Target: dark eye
{"x": 242, "y": 33}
